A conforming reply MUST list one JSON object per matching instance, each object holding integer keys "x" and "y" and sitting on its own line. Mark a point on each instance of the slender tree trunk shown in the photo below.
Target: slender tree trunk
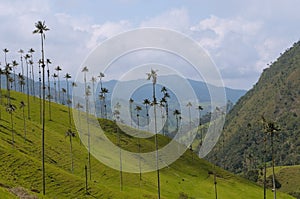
{"x": 86, "y": 180}
{"x": 49, "y": 94}
{"x": 265, "y": 166}
{"x": 58, "y": 82}
{"x": 68, "y": 103}
{"x": 27, "y": 85}
{"x": 120, "y": 159}
{"x": 88, "y": 127}
{"x": 71, "y": 153}
{"x": 43, "y": 118}
{"x": 156, "y": 142}
{"x": 139, "y": 145}
{"x": 273, "y": 165}
{"x": 15, "y": 83}
{"x": 24, "y": 123}
{"x": 12, "y": 129}
{"x": 33, "y": 82}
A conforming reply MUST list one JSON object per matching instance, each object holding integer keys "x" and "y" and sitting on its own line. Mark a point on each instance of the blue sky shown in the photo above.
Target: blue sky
{"x": 242, "y": 37}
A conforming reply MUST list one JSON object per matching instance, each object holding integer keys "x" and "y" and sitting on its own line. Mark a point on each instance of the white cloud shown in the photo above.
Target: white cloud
{"x": 177, "y": 19}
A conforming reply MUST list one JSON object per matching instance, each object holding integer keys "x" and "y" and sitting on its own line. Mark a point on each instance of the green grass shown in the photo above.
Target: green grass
{"x": 288, "y": 177}
{"x": 21, "y": 165}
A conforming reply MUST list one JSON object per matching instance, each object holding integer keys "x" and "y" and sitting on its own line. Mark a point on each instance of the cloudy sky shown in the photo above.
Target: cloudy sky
{"x": 241, "y": 37}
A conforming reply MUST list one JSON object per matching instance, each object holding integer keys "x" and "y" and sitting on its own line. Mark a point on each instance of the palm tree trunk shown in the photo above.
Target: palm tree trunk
{"x": 24, "y": 123}
{"x": 68, "y": 103}
{"x": 273, "y": 165}
{"x": 88, "y": 127}
{"x": 27, "y": 85}
{"x": 49, "y": 94}
{"x": 33, "y": 82}
{"x": 71, "y": 153}
{"x": 12, "y": 129}
{"x": 43, "y": 118}
{"x": 120, "y": 159}
{"x": 156, "y": 142}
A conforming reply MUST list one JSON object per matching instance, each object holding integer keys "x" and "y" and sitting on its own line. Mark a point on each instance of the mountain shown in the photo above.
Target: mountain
{"x": 276, "y": 97}
{"x": 20, "y": 173}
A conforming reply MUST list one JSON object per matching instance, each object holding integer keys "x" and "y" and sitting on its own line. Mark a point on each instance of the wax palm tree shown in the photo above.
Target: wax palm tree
{"x": 200, "y": 108}
{"x": 10, "y": 108}
{"x": 31, "y": 51}
{"x": 189, "y": 105}
{"x": 271, "y": 129}
{"x": 162, "y": 107}
{"x": 41, "y": 28}
{"x": 138, "y": 109}
{"x": 21, "y": 81}
{"x": 153, "y": 75}
{"x": 104, "y": 91}
{"x": 177, "y": 114}
{"x": 87, "y": 94}
{"x": 101, "y": 75}
{"x": 58, "y": 68}
{"x": 14, "y": 65}
{"x": 116, "y": 115}
{"x": 93, "y": 80}
{"x": 1, "y": 73}
{"x": 130, "y": 109}
{"x": 7, "y": 71}
{"x": 55, "y": 89}
{"x": 68, "y": 76}
{"x": 64, "y": 91}
{"x": 147, "y": 103}
{"x": 22, "y": 106}
{"x": 71, "y": 135}
{"x": 21, "y": 59}
{"x": 48, "y": 62}
{"x": 5, "y": 50}
{"x": 166, "y": 96}
{"x": 27, "y": 56}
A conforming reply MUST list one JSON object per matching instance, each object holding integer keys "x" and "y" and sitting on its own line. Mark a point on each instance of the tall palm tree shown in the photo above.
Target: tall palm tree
{"x": 93, "y": 80}
{"x": 162, "y": 107}
{"x": 10, "y": 108}
{"x": 166, "y": 94}
{"x": 138, "y": 109}
{"x": 27, "y": 84}
{"x": 58, "y": 68}
{"x": 55, "y": 89}
{"x": 14, "y": 65}
{"x": 189, "y": 105}
{"x": 21, "y": 81}
{"x": 64, "y": 91}
{"x": 71, "y": 135}
{"x": 153, "y": 75}
{"x": 87, "y": 94}
{"x": 21, "y": 59}
{"x": 130, "y": 109}
{"x": 41, "y": 28}
{"x": 147, "y": 102}
{"x": 22, "y": 105}
{"x": 68, "y": 76}
{"x": 116, "y": 115}
{"x": 177, "y": 114}
{"x": 200, "y": 108}
{"x": 5, "y": 50}
{"x": 104, "y": 91}
{"x": 271, "y": 129}
{"x": 48, "y": 61}
{"x": 101, "y": 75}
{"x": 31, "y": 51}
{"x": 7, "y": 72}
{"x": 1, "y": 73}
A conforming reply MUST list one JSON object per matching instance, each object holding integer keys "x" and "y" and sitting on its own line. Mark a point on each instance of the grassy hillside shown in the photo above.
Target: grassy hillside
{"x": 288, "y": 177}
{"x": 276, "y": 96}
{"x": 21, "y": 165}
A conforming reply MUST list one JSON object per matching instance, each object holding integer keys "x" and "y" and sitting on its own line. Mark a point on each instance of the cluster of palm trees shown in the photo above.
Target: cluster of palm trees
{"x": 47, "y": 93}
{"x": 26, "y": 77}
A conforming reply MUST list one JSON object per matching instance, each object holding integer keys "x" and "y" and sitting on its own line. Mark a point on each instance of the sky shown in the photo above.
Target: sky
{"x": 241, "y": 37}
